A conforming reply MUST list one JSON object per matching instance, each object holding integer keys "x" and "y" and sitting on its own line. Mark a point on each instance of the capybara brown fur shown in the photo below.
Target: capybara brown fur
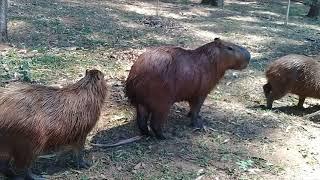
{"x": 165, "y": 75}
{"x": 35, "y": 119}
{"x": 296, "y": 74}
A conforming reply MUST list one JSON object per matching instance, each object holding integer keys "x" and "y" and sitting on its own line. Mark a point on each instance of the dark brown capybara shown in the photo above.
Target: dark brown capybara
{"x": 296, "y": 74}
{"x": 165, "y": 75}
{"x": 35, "y": 119}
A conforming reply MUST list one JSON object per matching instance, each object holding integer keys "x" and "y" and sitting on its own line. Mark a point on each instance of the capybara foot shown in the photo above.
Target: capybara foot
{"x": 300, "y": 106}
{"x": 197, "y": 123}
{"x": 27, "y": 176}
{"x": 83, "y": 164}
{"x": 269, "y": 103}
{"x": 269, "y": 106}
{"x": 145, "y": 132}
{"x": 160, "y": 136}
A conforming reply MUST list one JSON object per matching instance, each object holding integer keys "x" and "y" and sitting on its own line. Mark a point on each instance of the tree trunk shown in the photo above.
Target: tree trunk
{"x": 3, "y": 20}
{"x": 314, "y": 10}
{"x": 213, "y": 2}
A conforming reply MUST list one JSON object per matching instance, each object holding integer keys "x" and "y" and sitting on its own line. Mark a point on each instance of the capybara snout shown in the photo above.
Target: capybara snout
{"x": 296, "y": 74}
{"x": 165, "y": 75}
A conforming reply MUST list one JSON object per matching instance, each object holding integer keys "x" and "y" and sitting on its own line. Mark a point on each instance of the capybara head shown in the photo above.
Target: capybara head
{"x": 96, "y": 77}
{"x": 232, "y": 55}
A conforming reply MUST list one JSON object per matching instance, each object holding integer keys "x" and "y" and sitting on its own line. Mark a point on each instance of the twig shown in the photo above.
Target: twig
{"x": 10, "y": 80}
{"x": 288, "y": 10}
{"x": 122, "y": 142}
{"x": 48, "y": 156}
{"x": 157, "y": 10}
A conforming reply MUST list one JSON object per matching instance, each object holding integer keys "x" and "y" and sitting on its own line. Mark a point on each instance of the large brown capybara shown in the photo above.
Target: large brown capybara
{"x": 296, "y": 74}
{"x": 165, "y": 75}
{"x": 35, "y": 119}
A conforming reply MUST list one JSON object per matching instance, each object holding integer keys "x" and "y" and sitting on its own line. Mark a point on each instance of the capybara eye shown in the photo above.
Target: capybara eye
{"x": 229, "y": 48}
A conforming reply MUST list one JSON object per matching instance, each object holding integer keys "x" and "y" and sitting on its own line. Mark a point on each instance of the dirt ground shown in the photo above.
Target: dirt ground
{"x": 55, "y": 41}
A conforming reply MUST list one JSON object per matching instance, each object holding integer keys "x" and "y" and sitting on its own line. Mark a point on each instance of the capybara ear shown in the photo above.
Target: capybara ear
{"x": 87, "y": 71}
{"x": 217, "y": 41}
{"x": 98, "y": 76}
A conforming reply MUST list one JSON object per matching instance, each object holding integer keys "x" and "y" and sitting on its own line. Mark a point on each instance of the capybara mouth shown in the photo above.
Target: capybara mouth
{"x": 241, "y": 66}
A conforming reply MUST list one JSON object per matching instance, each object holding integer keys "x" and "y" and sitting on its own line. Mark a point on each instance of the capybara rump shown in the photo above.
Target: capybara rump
{"x": 165, "y": 75}
{"x": 296, "y": 74}
{"x": 35, "y": 119}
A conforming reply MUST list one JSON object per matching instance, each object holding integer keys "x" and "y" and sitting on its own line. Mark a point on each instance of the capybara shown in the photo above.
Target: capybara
{"x": 35, "y": 119}
{"x": 165, "y": 75}
{"x": 296, "y": 74}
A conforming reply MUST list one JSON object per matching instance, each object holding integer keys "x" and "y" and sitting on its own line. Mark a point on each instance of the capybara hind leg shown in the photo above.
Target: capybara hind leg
{"x": 301, "y": 101}
{"x": 157, "y": 122}
{"x": 142, "y": 119}
{"x": 195, "y": 106}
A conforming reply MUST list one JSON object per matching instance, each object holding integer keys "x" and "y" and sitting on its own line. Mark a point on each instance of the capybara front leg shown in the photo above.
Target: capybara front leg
{"x": 269, "y": 102}
{"x": 81, "y": 163}
{"x": 267, "y": 89}
{"x": 274, "y": 95}
{"x": 79, "y": 156}
{"x": 301, "y": 101}
{"x": 157, "y": 122}
{"x": 142, "y": 119}
{"x": 5, "y": 168}
{"x": 22, "y": 164}
{"x": 195, "y": 106}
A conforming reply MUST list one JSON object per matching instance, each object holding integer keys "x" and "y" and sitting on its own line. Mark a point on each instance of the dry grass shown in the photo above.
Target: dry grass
{"x": 55, "y": 41}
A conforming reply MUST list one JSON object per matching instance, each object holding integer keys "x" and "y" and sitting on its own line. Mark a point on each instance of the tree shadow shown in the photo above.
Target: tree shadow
{"x": 290, "y": 110}
{"x": 183, "y": 143}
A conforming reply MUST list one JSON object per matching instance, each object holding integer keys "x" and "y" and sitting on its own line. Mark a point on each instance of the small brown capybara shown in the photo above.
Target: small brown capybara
{"x": 35, "y": 119}
{"x": 296, "y": 74}
{"x": 165, "y": 75}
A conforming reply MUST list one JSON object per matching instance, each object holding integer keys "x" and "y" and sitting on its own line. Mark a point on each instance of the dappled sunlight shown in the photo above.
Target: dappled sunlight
{"x": 196, "y": 12}
{"x": 244, "y": 18}
{"x": 242, "y": 2}
{"x": 19, "y": 26}
{"x": 265, "y": 13}
{"x": 299, "y": 154}
{"x": 307, "y": 26}
{"x": 131, "y": 24}
{"x": 203, "y": 34}
{"x": 152, "y": 11}
{"x": 140, "y": 10}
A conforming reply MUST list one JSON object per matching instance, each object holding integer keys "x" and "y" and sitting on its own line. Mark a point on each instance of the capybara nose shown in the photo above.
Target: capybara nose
{"x": 245, "y": 53}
